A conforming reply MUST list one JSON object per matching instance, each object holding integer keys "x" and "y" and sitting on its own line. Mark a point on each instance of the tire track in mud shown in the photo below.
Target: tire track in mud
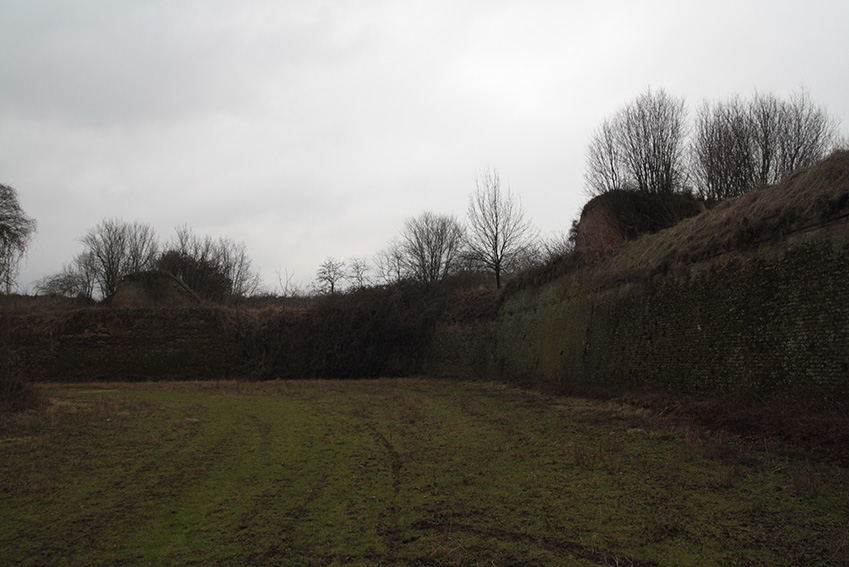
{"x": 526, "y": 438}
{"x": 556, "y": 545}
{"x": 270, "y": 523}
{"x": 395, "y": 461}
{"x": 163, "y": 472}
{"x": 388, "y": 525}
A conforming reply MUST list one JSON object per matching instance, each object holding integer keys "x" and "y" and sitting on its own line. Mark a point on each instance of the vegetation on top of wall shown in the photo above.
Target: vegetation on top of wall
{"x": 808, "y": 198}
{"x": 619, "y": 215}
{"x": 17, "y": 303}
{"x": 153, "y": 289}
{"x": 371, "y": 332}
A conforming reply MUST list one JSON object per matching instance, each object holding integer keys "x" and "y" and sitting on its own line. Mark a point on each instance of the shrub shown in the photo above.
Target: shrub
{"x": 15, "y": 393}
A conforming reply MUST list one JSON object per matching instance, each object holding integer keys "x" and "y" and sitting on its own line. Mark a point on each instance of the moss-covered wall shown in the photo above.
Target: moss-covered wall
{"x": 125, "y": 344}
{"x": 462, "y": 350}
{"x": 760, "y": 322}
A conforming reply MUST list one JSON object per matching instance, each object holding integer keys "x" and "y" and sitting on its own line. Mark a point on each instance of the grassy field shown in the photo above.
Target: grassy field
{"x": 397, "y": 472}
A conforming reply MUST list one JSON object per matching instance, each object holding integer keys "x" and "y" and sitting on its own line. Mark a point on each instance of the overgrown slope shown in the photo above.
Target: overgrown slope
{"x": 809, "y": 198}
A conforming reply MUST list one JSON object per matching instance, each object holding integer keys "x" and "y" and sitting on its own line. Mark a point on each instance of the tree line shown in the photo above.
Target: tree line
{"x": 733, "y": 146}
{"x": 215, "y": 269}
{"x": 498, "y": 239}
{"x": 646, "y": 146}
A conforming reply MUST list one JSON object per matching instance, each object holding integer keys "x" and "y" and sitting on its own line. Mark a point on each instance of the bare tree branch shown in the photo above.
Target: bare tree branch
{"x": 358, "y": 272}
{"x": 390, "y": 265}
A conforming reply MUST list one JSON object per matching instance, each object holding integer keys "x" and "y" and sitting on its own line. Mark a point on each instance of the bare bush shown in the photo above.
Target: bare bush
{"x": 120, "y": 248}
{"x": 560, "y": 243}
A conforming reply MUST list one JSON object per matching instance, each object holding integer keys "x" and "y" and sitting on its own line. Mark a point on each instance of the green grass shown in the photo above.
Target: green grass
{"x": 397, "y": 472}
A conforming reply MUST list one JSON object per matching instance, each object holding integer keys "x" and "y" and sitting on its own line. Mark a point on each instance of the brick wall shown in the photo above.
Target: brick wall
{"x": 761, "y": 322}
{"x": 126, "y": 344}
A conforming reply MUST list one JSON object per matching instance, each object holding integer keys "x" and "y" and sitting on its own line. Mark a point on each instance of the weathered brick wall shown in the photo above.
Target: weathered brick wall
{"x": 126, "y": 344}
{"x": 764, "y": 321}
{"x": 462, "y": 350}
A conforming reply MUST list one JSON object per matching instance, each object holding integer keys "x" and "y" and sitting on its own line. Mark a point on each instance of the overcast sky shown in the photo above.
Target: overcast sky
{"x": 311, "y": 128}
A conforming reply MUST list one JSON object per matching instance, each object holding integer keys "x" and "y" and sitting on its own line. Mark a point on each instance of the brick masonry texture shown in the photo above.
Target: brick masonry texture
{"x": 760, "y": 322}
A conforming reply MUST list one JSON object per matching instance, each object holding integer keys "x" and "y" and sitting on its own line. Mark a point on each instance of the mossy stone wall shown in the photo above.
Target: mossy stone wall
{"x": 763, "y": 322}
{"x": 760, "y": 322}
{"x": 126, "y": 344}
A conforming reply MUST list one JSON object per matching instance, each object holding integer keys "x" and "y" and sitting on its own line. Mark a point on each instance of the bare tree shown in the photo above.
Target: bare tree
{"x": 329, "y": 274}
{"x": 236, "y": 266}
{"x": 287, "y": 287}
{"x": 16, "y": 232}
{"x": 431, "y": 245}
{"x": 358, "y": 272}
{"x": 605, "y": 167}
{"x": 737, "y": 146}
{"x": 808, "y": 133}
{"x": 641, "y": 147}
{"x": 215, "y": 269}
{"x": 499, "y": 232}
{"x": 390, "y": 265}
{"x": 120, "y": 248}
{"x": 77, "y": 279}
{"x": 652, "y": 142}
{"x": 765, "y": 117}
{"x": 722, "y": 153}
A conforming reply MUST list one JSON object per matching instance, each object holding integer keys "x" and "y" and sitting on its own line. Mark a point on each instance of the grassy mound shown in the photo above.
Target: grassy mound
{"x": 807, "y": 199}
